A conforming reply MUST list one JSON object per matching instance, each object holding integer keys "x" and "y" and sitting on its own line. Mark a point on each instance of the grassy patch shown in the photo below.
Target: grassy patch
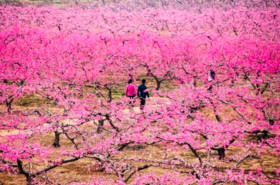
{"x": 32, "y": 101}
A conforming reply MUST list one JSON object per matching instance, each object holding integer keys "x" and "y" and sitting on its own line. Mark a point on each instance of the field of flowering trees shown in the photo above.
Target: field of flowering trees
{"x": 64, "y": 118}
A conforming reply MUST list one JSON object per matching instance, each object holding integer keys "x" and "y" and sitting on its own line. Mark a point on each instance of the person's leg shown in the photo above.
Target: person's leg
{"x": 142, "y": 103}
{"x": 132, "y": 102}
{"x": 131, "y": 105}
{"x": 129, "y": 100}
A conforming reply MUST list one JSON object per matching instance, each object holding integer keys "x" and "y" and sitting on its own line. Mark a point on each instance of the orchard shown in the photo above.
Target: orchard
{"x": 212, "y": 70}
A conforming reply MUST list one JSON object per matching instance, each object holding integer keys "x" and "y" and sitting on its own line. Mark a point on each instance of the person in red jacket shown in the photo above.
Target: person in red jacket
{"x": 130, "y": 90}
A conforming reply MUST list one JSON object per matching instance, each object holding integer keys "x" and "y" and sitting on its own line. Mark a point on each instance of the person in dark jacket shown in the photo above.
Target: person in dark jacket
{"x": 142, "y": 93}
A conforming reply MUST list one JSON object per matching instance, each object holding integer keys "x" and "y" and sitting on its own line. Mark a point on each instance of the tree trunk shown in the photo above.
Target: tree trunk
{"x": 158, "y": 85}
{"x": 9, "y": 105}
{"x": 208, "y": 155}
{"x": 29, "y": 180}
{"x": 56, "y": 139}
{"x": 194, "y": 82}
{"x": 27, "y": 175}
{"x": 109, "y": 94}
{"x": 218, "y": 118}
{"x": 262, "y": 135}
{"x": 158, "y": 82}
{"x": 221, "y": 153}
{"x": 100, "y": 125}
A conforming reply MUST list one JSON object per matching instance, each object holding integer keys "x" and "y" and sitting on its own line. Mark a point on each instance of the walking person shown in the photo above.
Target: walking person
{"x": 211, "y": 75}
{"x": 142, "y": 94}
{"x": 130, "y": 91}
{"x": 211, "y": 78}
